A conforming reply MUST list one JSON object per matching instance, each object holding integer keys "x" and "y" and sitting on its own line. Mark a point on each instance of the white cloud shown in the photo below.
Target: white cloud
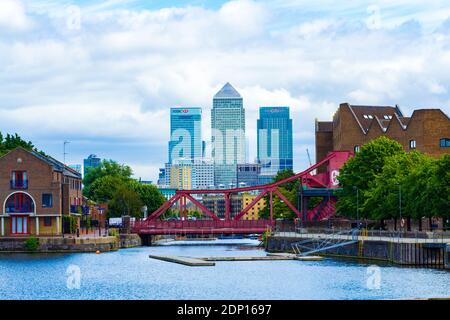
{"x": 114, "y": 79}
{"x": 12, "y": 15}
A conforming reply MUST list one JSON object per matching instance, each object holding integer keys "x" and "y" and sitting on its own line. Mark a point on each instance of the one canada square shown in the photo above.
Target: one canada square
{"x": 228, "y": 135}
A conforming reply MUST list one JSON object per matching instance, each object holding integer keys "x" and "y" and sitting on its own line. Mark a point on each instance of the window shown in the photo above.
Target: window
{"x": 19, "y": 225}
{"x": 47, "y": 200}
{"x": 47, "y": 221}
{"x": 387, "y": 117}
{"x": 19, "y": 203}
{"x": 19, "y": 180}
{"x": 412, "y": 144}
{"x": 356, "y": 148}
{"x": 445, "y": 143}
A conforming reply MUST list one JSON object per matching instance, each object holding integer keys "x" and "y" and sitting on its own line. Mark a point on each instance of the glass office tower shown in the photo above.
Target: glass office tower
{"x": 228, "y": 135}
{"x": 274, "y": 141}
{"x": 185, "y": 134}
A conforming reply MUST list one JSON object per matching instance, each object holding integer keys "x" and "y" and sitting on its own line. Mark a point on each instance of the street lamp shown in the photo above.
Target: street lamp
{"x": 400, "y": 203}
{"x": 357, "y": 205}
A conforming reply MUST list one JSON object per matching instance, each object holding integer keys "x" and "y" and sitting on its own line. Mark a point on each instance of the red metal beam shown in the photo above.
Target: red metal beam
{"x": 227, "y": 206}
{"x": 288, "y": 203}
{"x": 251, "y": 205}
{"x": 163, "y": 208}
{"x": 202, "y": 207}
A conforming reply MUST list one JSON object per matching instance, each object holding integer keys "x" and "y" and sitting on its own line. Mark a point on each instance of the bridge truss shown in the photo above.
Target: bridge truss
{"x": 312, "y": 185}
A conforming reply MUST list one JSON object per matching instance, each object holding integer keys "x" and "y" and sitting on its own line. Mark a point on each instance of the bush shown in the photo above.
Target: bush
{"x": 70, "y": 224}
{"x": 113, "y": 232}
{"x": 32, "y": 244}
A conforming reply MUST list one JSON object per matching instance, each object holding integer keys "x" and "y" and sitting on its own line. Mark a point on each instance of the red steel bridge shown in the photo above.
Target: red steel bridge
{"x": 312, "y": 185}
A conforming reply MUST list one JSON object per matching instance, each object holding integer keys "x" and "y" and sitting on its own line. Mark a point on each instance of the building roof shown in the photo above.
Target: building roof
{"x": 366, "y": 114}
{"x": 57, "y": 165}
{"x": 228, "y": 92}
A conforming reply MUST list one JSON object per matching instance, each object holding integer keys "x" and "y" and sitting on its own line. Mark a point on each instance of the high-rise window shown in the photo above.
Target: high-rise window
{"x": 274, "y": 138}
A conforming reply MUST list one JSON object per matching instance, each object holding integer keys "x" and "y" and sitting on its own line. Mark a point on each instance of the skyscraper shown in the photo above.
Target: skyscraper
{"x": 228, "y": 135}
{"x": 274, "y": 141}
{"x": 185, "y": 133}
{"x": 91, "y": 162}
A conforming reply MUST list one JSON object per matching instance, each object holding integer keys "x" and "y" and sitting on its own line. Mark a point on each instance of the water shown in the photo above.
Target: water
{"x": 130, "y": 274}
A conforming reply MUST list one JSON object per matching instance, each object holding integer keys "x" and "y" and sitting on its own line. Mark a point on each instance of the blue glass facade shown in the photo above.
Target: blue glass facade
{"x": 274, "y": 140}
{"x": 185, "y": 134}
{"x": 91, "y": 162}
{"x": 228, "y": 135}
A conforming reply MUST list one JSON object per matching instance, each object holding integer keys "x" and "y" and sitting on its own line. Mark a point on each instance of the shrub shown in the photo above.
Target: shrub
{"x": 32, "y": 244}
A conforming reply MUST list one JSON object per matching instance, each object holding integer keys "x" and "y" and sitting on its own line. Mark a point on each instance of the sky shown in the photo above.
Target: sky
{"x": 104, "y": 74}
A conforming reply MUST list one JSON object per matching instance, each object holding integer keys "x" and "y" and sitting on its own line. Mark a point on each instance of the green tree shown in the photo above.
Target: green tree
{"x": 382, "y": 199}
{"x": 103, "y": 189}
{"x": 10, "y": 142}
{"x": 125, "y": 201}
{"x": 289, "y": 190}
{"x": 107, "y": 168}
{"x": 359, "y": 172}
{"x": 151, "y": 197}
{"x": 440, "y": 186}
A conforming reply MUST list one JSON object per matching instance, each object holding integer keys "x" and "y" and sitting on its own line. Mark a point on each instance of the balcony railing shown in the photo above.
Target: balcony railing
{"x": 80, "y": 209}
{"x": 23, "y": 209}
{"x": 19, "y": 184}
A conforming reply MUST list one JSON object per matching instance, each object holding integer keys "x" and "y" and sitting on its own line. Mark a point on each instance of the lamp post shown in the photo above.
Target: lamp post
{"x": 400, "y": 204}
{"x": 357, "y": 205}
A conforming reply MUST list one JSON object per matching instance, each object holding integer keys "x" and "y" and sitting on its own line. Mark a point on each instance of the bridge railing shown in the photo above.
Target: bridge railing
{"x": 200, "y": 224}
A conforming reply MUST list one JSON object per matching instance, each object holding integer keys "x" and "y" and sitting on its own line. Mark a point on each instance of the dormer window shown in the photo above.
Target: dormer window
{"x": 412, "y": 144}
{"x": 387, "y": 117}
{"x": 368, "y": 116}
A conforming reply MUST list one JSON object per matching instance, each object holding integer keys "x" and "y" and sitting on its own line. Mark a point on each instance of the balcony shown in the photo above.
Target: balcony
{"x": 26, "y": 208}
{"x": 18, "y": 185}
{"x": 84, "y": 210}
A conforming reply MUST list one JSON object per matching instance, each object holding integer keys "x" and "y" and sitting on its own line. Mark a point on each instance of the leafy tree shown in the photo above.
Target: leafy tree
{"x": 106, "y": 168}
{"x": 125, "y": 201}
{"x": 382, "y": 199}
{"x": 440, "y": 186}
{"x": 10, "y": 142}
{"x": 103, "y": 189}
{"x": 289, "y": 190}
{"x": 359, "y": 172}
{"x": 149, "y": 194}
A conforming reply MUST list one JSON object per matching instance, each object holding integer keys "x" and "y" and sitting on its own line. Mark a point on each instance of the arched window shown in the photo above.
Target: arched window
{"x": 19, "y": 203}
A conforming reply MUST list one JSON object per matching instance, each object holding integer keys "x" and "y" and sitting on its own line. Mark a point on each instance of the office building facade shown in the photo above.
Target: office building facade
{"x": 185, "y": 134}
{"x": 91, "y": 162}
{"x": 274, "y": 138}
{"x": 228, "y": 135}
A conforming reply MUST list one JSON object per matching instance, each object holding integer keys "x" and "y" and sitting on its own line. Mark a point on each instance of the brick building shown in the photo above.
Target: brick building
{"x": 35, "y": 192}
{"x": 427, "y": 130}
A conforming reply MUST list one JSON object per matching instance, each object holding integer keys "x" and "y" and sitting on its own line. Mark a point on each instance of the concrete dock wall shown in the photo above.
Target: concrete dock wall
{"x": 409, "y": 254}
{"x": 59, "y": 244}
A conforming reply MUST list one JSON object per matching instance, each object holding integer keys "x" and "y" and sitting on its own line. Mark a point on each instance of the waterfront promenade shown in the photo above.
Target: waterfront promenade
{"x": 387, "y": 237}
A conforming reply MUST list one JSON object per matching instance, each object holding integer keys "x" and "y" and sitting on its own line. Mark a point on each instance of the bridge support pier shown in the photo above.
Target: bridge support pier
{"x": 147, "y": 239}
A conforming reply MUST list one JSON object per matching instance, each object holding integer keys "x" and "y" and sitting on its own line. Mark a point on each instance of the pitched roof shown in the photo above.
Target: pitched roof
{"x": 57, "y": 165}
{"x": 366, "y": 114}
{"x": 228, "y": 91}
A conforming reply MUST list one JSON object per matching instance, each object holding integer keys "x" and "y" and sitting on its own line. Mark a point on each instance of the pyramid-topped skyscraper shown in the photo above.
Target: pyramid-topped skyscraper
{"x": 228, "y": 135}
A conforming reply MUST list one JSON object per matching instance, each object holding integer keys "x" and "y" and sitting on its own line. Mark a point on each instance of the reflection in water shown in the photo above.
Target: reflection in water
{"x": 131, "y": 274}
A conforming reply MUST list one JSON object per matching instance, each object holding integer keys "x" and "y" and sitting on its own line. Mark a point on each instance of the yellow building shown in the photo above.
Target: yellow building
{"x": 253, "y": 213}
{"x": 180, "y": 177}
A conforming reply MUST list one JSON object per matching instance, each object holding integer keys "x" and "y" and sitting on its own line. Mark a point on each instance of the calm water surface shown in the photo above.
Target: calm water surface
{"x": 130, "y": 274}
